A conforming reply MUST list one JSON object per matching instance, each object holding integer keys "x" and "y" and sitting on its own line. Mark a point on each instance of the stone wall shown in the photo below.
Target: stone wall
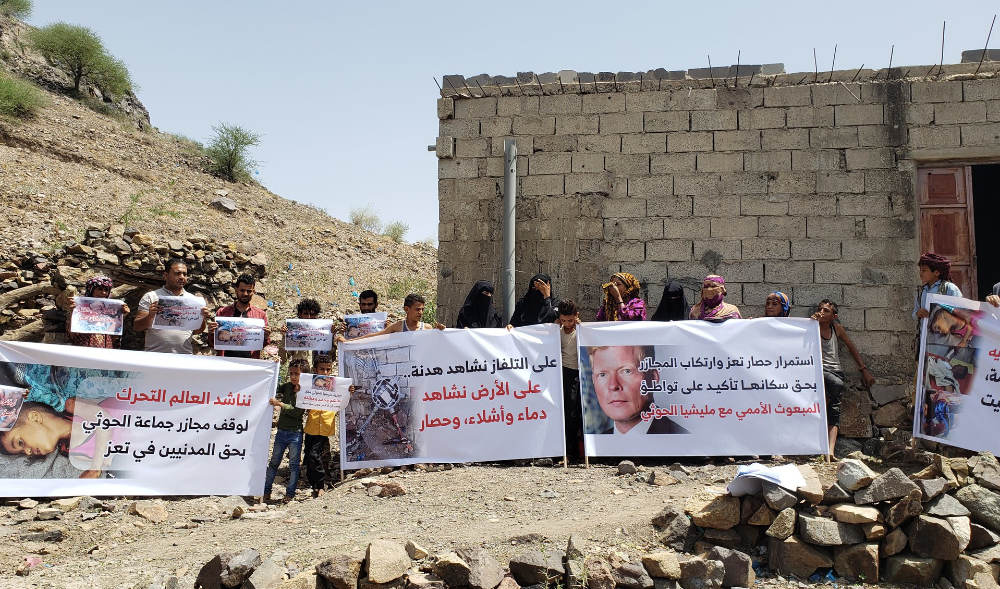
{"x": 787, "y": 184}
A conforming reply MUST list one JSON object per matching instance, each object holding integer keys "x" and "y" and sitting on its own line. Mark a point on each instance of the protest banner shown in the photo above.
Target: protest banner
{"x": 309, "y": 334}
{"x": 364, "y": 323}
{"x": 97, "y": 316}
{"x": 736, "y": 388}
{"x": 117, "y": 422}
{"x": 239, "y": 333}
{"x": 179, "y": 313}
{"x": 958, "y": 389}
{"x": 322, "y": 392}
{"x": 452, "y": 396}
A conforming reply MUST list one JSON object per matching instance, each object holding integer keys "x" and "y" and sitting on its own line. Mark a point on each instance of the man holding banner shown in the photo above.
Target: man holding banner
{"x": 245, "y": 284}
{"x": 170, "y": 341}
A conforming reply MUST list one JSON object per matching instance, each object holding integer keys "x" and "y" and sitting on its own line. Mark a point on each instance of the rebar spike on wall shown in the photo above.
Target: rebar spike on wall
{"x": 985, "y": 47}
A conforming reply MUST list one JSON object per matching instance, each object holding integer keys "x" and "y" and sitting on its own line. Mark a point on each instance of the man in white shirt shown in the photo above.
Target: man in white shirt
{"x": 165, "y": 340}
{"x": 617, "y": 382}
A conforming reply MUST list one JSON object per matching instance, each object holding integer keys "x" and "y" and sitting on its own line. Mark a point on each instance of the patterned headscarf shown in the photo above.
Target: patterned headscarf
{"x": 98, "y": 280}
{"x": 631, "y": 292}
{"x": 937, "y": 263}
{"x": 785, "y": 303}
{"x": 715, "y": 308}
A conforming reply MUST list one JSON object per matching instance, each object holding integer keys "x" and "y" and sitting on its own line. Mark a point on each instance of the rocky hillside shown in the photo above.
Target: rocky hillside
{"x": 71, "y": 167}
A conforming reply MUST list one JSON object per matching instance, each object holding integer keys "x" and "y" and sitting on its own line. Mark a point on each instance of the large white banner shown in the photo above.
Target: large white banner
{"x": 452, "y": 396}
{"x": 116, "y": 422}
{"x": 741, "y": 387}
{"x": 958, "y": 391}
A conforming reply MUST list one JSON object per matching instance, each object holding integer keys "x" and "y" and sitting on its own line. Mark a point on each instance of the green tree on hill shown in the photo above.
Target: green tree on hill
{"x": 229, "y": 152}
{"x": 79, "y": 52}
{"x": 17, "y": 8}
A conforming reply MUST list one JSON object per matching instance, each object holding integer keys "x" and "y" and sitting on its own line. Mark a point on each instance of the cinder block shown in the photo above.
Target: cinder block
{"x": 767, "y": 161}
{"x": 793, "y": 183}
{"x": 815, "y": 249}
{"x": 669, "y": 250}
{"x": 446, "y": 231}
{"x": 879, "y": 136}
{"x": 714, "y": 205}
{"x": 667, "y": 121}
{"x": 496, "y": 126}
{"x": 745, "y": 271}
{"x": 720, "y": 162}
{"x": 693, "y": 99}
{"x": 935, "y": 136}
{"x": 599, "y": 143}
{"x": 627, "y": 164}
{"x": 810, "y": 295}
{"x": 541, "y": 185}
{"x": 819, "y": 159}
{"x": 832, "y": 138}
{"x": 830, "y": 181}
{"x": 734, "y": 227}
{"x": 549, "y": 163}
{"x": 471, "y": 147}
{"x": 830, "y": 227}
{"x": 918, "y": 114}
{"x": 621, "y": 122}
{"x": 558, "y": 207}
{"x": 517, "y": 105}
{"x": 445, "y": 147}
{"x": 887, "y": 181}
{"x": 458, "y": 168}
{"x": 890, "y": 227}
{"x": 713, "y": 120}
{"x": 981, "y": 90}
{"x": 866, "y": 159}
{"x": 755, "y": 295}
{"x": 607, "y": 102}
{"x": 948, "y": 113}
{"x": 646, "y": 101}
{"x": 785, "y": 138}
{"x": 787, "y": 96}
{"x": 689, "y": 142}
{"x": 623, "y": 208}
{"x": 863, "y": 205}
{"x": 686, "y": 227}
{"x": 522, "y": 142}
{"x": 744, "y": 183}
{"x": 644, "y": 143}
{"x": 589, "y": 229}
{"x": 670, "y": 163}
{"x": 588, "y": 183}
{"x": 588, "y": 162}
{"x": 558, "y": 104}
{"x": 651, "y": 186}
{"x": 869, "y": 296}
{"x": 726, "y": 249}
{"x": 785, "y": 227}
{"x": 737, "y": 140}
{"x": 839, "y": 272}
{"x": 888, "y": 320}
{"x": 624, "y": 251}
{"x": 554, "y": 143}
{"x": 858, "y": 114}
{"x": 475, "y": 108}
{"x": 670, "y": 206}
{"x": 577, "y": 125}
{"x": 698, "y": 184}
{"x": 644, "y": 229}
{"x": 446, "y": 108}
{"x": 457, "y": 128}
{"x": 810, "y": 116}
{"x": 936, "y": 91}
{"x": 830, "y": 94}
{"x": 534, "y": 125}
{"x": 875, "y": 250}
{"x": 447, "y": 190}
{"x": 761, "y": 204}
{"x": 762, "y": 118}
{"x": 993, "y": 110}
{"x": 986, "y": 134}
{"x": 478, "y": 188}
{"x": 786, "y": 271}
{"x": 823, "y": 205}
{"x": 766, "y": 249}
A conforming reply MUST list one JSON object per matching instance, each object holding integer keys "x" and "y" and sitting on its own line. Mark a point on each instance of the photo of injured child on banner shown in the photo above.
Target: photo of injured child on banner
{"x": 958, "y": 389}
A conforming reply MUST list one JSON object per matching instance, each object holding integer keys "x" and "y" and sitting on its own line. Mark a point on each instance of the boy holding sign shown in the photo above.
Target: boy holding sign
{"x": 320, "y": 425}
{"x": 289, "y": 435}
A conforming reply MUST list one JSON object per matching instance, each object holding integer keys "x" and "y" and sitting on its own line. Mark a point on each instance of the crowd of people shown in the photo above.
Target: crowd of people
{"x": 622, "y": 301}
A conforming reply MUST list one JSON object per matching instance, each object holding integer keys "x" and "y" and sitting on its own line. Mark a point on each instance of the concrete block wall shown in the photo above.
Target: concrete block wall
{"x": 808, "y": 189}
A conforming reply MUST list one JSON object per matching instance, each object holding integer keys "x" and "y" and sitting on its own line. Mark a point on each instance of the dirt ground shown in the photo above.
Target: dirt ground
{"x": 506, "y": 508}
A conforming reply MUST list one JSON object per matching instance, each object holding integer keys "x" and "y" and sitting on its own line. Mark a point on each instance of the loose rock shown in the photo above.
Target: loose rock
{"x": 536, "y": 567}
{"x": 895, "y": 542}
{"x": 341, "y": 571}
{"x": 857, "y": 563}
{"x": 153, "y": 511}
{"x": 905, "y": 509}
{"x": 933, "y": 537}
{"x": 922, "y": 572}
{"x": 674, "y": 525}
{"x": 946, "y": 506}
{"x": 892, "y": 484}
{"x": 626, "y": 467}
{"x": 794, "y": 557}
{"x": 827, "y": 532}
{"x": 983, "y": 504}
{"x": 415, "y": 551}
{"x": 388, "y": 561}
{"x": 485, "y": 572}
{"x": 812, "y": 490}
{"x": 720, "y": 512}
{"x": 699, "y": 573}
{"x": 737, "y": 565}
{"x": 632, "y": 575}
{"x": 662, "y": 565}
{"x": 239, "y": 568}
{"x": 778, "y": 498}
{"x": 853, "y": 475}
{"x": 855, "y": 514}
{"x": 783, "y": 525}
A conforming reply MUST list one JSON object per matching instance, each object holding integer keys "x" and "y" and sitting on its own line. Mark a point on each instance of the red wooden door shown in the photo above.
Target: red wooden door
{"x": 946, "y": 221}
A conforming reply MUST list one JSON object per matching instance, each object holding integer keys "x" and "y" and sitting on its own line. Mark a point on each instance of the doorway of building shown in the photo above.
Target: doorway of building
{"x": 986, "y": 213}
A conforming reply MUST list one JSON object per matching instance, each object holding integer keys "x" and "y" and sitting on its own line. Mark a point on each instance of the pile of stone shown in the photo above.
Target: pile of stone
{"x": 939, "y": 526}
{"x": 35, "y": 287}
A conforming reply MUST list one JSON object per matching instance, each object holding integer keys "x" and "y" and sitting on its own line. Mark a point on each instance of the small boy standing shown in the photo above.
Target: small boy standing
{"x": 934, "y": 274}
{"x": 831, "y": 332}
{"x": 568, "y": 318}
{"x": 289, "y": 434}
{"x": 320, "y": 425}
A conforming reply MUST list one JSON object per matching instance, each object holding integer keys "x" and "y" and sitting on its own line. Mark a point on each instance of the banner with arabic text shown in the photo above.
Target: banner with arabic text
{"x": 465, "y": 395}
{"x": 741, "y": 387}
{"x": 958, "y": 392}
{"x": 116, "y": 422}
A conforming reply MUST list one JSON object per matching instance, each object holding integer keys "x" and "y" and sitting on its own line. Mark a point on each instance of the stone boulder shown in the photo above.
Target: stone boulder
{"x": 983, "y": 504}
{"x": 922, "y": 572}
{"x": 224, "y": 204}
{"x": 536, "y": 567}
{"x": 783, "y": 525}
{"x": 827, "y": 532}
{"x": 239, "y": 567}
{"x": 854, "y": 475}
{"x": 341, "y": 571}
{"x": 153, "y": 511}
{"x": 777, "y": 497}
{"x": 599, "y": 574}
{"x": 836, "y": 494}
{"x": 632, "y": 575}
{"x": 738, "y": 567}
{"x": 982, "y": 537}
{"x": 388, "y": 561}
{"x": 485, "y": 572}
{"x": 848, "y": 513}
{"x": 986, "y": 469}
{"x": 892, "y": 484}
{"x": 895, "y": 542}
{"x": 452, "y": 569}
{"x": 674, "y": 526}
{"x": 946, "y": 506}
{"x": 969, "y": 573}
{"x": 794, "y": 557}
{"x": 720, "y": 512}
{"x": 699, "y": 573}
{"x": 905, "y": 509}
{"x": 857, "y": 563}
{"x": 934, "y": 537}
{"x": 812, "y": 490}
{"x": 662, "y": 565}
{"x": 931, "y": 488}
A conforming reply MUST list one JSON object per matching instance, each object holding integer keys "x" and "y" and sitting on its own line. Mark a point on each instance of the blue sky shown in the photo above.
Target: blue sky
{"x": 343, "y": 93}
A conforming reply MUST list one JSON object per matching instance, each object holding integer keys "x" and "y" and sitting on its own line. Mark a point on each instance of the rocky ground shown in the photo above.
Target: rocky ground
{"x": 507, "y": 509}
